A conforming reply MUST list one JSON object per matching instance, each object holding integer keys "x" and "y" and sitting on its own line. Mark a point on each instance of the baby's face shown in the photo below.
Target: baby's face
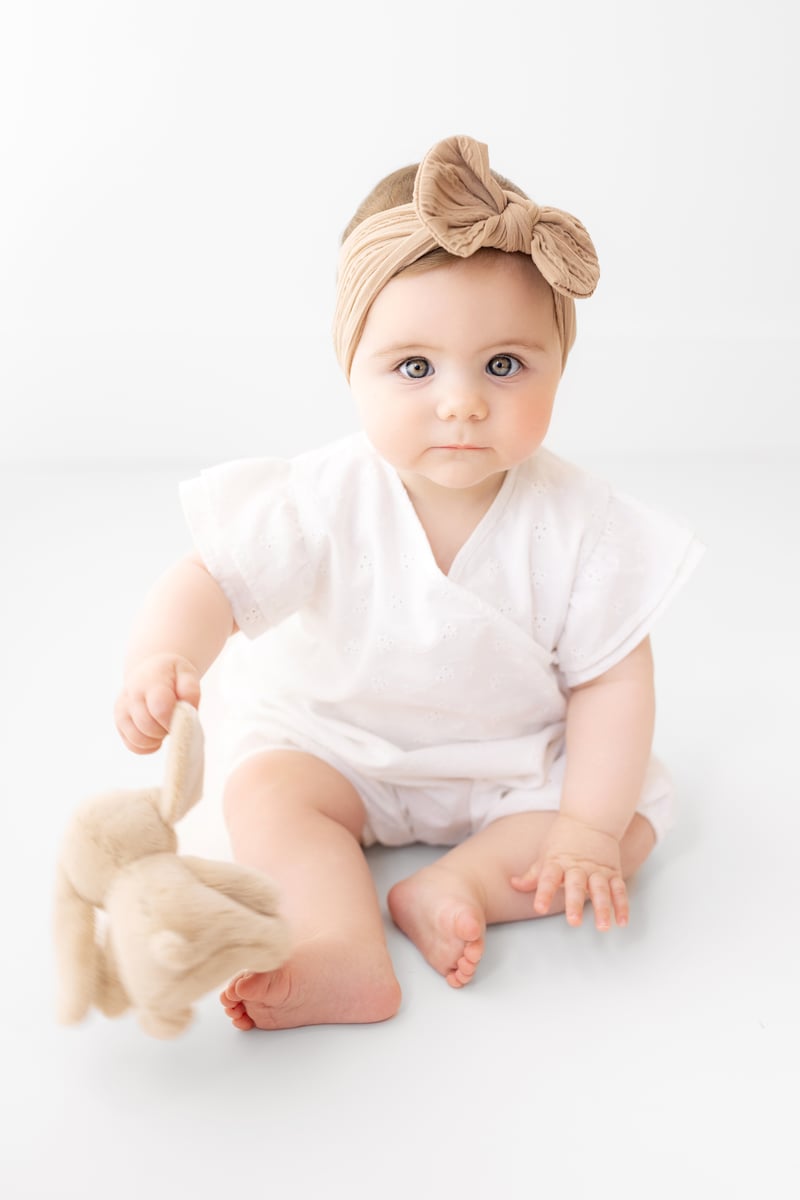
{"x": 457, "y": 370}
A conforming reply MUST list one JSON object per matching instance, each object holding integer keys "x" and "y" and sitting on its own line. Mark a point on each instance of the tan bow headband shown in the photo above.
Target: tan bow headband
{"x": 459, "y": 206}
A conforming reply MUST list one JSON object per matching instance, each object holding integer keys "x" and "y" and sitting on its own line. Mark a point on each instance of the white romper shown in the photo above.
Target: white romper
{"x": 441, "y": 697}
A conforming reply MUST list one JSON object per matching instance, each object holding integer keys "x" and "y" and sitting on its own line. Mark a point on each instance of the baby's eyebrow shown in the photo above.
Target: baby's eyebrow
{"x": 500, "y": 346}
{"x": 404, "y": 348}
{"x": 514, "y": 344}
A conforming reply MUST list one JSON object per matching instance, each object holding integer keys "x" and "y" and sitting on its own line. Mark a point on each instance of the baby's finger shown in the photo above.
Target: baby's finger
{"x": 619, "y": 899}
{"x": 574, "y": 894}
{"x": 600, "y": 896}
{"x": 550, "y": 880}
{"x": 160, "y": 701}
{"x": 133, "y": 738}
{"x": 187, "y": 686}
{"x": 144, "y": 720}
{"x": 527, "y": 882}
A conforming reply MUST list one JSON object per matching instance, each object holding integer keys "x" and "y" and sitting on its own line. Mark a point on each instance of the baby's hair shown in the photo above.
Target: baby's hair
{"x": 398, "y": 188}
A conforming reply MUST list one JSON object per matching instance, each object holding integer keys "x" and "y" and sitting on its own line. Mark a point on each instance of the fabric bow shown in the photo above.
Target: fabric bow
{"x": 464, "y": 208}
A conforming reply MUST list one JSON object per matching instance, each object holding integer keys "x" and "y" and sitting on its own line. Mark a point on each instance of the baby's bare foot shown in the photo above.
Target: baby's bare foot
{"x": 320, "y": 985}
{"x": 436, "y": 909}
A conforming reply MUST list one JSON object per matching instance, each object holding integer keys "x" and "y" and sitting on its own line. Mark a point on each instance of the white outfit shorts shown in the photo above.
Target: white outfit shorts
{"x": 443, "y": 812}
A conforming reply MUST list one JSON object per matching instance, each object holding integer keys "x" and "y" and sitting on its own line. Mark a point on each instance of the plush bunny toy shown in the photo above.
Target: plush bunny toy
{"x": 175, "y": 926}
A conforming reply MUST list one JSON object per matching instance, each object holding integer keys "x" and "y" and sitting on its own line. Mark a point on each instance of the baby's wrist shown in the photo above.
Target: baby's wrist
{"x": 590, "y": 823}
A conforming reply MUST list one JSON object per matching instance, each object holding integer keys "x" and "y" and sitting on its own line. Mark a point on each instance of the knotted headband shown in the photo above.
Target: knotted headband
{"x": 459, "y": 206}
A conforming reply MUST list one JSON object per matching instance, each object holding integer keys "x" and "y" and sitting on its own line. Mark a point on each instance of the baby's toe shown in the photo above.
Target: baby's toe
{"x": 465, "y": 970}
{"x": 473, "y": 952}
{"x": 468, "y": 927}
{"x": 457, "y": 978}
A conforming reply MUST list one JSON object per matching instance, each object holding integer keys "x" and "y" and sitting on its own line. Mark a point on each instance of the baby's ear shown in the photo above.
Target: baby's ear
{"x": 183, "y": 780}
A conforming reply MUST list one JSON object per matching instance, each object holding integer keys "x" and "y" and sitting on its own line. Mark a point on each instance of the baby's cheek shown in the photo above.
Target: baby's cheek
{"x": 531, "y": 426}
{"x": 393, "y": 435}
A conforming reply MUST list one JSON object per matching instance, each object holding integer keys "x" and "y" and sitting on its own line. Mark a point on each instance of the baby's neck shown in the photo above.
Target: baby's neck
{"x": 450, "y": 515}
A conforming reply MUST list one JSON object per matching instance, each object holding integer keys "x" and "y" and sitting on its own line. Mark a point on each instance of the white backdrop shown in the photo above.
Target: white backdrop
{"x": 177, "y": 173}
{"x": 174, "y": 176}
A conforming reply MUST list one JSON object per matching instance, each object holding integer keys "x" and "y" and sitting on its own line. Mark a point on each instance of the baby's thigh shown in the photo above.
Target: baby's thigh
{"x": 511, "y": 844}
{"x": 280, "y": 786}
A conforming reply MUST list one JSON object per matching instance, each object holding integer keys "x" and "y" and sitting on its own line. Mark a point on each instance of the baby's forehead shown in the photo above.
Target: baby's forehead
{"x": 474, "y": 302}
{"x": 500, "y": 276}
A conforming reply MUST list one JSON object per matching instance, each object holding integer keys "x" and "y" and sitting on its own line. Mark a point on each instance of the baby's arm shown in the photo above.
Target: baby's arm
{"x": 608, "y": 739}
{"x": 184, "y": 624}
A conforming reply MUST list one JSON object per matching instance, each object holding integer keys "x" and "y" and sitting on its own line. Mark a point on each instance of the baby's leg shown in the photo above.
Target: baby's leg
{"x": 445, "y": 908}
{"x": 298, "y": 820}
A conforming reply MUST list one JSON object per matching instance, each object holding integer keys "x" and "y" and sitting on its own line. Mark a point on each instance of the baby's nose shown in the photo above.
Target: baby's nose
{"x": 463, "y": 404}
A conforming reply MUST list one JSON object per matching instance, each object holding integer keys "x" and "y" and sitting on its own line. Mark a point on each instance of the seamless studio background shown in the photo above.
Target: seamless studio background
{"x": 176, "y": 179}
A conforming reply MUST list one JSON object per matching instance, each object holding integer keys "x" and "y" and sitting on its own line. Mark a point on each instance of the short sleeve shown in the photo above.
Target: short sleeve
{"x": 630, "y": 572}
{"x": 245, "y": 524}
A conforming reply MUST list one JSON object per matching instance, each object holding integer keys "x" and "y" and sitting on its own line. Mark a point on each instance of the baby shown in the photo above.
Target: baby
{"x": 455, "y": 620}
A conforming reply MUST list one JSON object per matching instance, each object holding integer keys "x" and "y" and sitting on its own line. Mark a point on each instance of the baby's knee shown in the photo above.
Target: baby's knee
{"x": 281, "y": 785}
{"x": 255, "y": 789}
{"x": 637, "y": 844}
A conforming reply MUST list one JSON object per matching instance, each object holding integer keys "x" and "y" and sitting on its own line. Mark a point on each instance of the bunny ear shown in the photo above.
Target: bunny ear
{"x": 76, "y": 951}
{"x": 183, "y": 782}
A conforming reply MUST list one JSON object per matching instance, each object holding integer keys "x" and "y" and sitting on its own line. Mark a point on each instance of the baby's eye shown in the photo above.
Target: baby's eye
{"x": 503, "y": 364}
{"x": 415, "y": 368}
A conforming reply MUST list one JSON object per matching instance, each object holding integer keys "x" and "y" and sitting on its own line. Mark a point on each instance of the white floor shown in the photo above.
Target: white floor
{"x": 657, "y": 1061}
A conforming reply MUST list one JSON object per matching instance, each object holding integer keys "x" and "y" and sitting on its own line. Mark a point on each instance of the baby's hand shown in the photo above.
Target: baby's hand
{"x": 584, "y": 861}
{"x": 145, "y": 705}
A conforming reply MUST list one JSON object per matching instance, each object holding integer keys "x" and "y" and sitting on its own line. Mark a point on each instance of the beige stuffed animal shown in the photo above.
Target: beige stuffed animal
{"x": 176, "y": 926}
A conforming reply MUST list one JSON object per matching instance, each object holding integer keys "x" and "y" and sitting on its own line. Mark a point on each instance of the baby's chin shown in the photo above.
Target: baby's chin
{"x": 465, "y": 473}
